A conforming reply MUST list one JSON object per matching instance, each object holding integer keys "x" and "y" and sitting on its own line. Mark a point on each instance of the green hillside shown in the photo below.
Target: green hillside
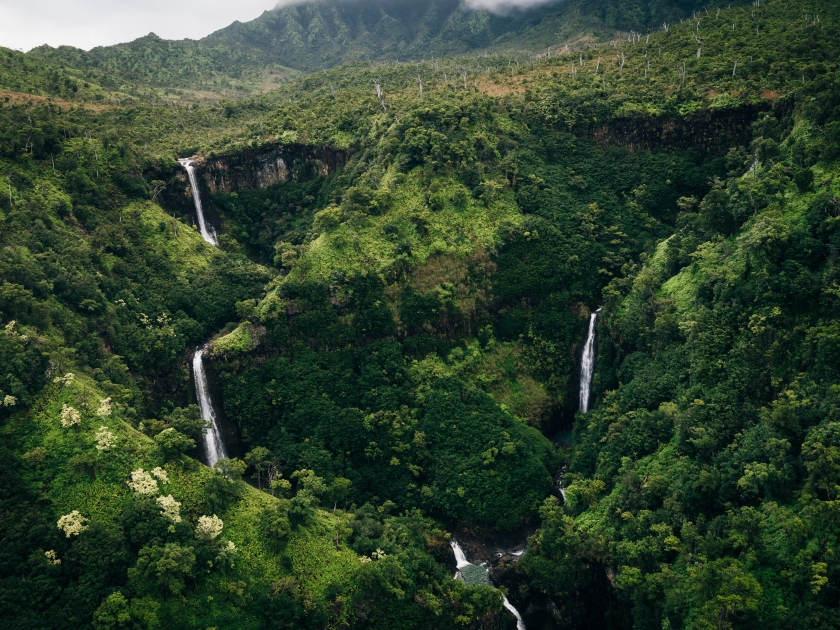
{"x": 396, "y": 313}
{"x": 255, "y": 56}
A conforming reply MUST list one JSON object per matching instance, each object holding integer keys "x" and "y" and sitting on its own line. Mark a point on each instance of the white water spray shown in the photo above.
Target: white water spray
{"x": 587, "y": 364}
{"x": 207, "y": 234}
{"x": 461, "y": 562}
{"x": 213, "y": 444}
{"x": 460, "y": 557}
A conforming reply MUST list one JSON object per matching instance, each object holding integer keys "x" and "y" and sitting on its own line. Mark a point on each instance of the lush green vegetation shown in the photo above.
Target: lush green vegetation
{"x": 395, "y": 337}
{"x": 256, "y": 56}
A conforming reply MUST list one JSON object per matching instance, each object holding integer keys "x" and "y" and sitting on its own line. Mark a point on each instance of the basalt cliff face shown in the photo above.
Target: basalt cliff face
{"x": 266, "y": 166}
{"x": 711, "y": 132}
{"x": 248, "y": 169}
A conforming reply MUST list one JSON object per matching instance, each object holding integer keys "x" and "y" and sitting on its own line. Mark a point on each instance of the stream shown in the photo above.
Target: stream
{"x": 476, "y": 574}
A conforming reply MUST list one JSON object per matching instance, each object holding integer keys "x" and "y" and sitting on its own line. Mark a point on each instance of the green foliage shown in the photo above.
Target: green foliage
{"x": 166, "y": 566}
{"x": 715, "y": 433}
{"x": 419, "y": 332}
{"x": 173, "y": 444}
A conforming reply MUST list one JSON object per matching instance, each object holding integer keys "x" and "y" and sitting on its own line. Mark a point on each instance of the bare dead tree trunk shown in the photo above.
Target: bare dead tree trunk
{"x": 598, "y": 67}
{"x": 621, "y": 65}
{"x": 465, "y": 79}
{"x": 378, "y": 86}
{"x": 734, "y": 68}
{"x": 681, "y": 72}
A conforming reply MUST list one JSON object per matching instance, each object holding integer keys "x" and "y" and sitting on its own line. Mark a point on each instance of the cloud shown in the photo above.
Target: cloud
{"x": 25, "y": 24}
{"x": 504, "y": 7}
{"x": 501, "y": 7}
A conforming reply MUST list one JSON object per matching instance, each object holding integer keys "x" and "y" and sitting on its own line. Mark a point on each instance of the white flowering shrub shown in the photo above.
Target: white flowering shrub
{"x": 105, "y": 440}
{"x": 10, "y": 329}
{"x": 170, "y": 508}
{"x": 9, "y": 401}
{"x": 142, "y": 482}
{"x": 52, "y": 558}
{"x": 364, "y": 559}
{"x": 72, "y": 524}
{"x": 64, "y": 381}
{"x": 70, "y": 416}
{"x": 104, "y": 408}
{"x": 209, "y": 527}
{"x": 160, "y": 473}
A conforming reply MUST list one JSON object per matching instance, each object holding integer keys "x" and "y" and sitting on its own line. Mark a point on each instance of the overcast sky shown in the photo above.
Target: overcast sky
{"x": 25, "y": 24}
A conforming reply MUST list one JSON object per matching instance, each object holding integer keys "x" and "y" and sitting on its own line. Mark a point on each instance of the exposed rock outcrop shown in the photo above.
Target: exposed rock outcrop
{"x": 247, "y": 169}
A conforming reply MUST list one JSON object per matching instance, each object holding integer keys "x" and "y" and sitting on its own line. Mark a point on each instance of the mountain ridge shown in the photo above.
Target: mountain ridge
{"x": 251, "y": 56}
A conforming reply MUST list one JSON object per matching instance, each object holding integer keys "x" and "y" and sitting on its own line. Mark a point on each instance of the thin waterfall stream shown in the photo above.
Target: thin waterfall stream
{"x": 478, "y": 573}
{"x": 214, "y": 446}
{"x": 587, "y": 364}
{"x": 207, "y": 234}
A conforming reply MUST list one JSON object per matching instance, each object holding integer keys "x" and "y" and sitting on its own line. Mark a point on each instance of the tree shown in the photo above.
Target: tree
{"x": 142, "y": 482}
{"x": 72, "y": 524}
{"x": 303, "y": 505}
{"x": 209, "y": 527}
{"x": 105, "y": 440}
{"x": 187, "y": 420}
{"x": 157, "y": 187}
{"x": 232, "y": 468}
{"x": 170, "y": 508}
{"x": 112, "y": 613}
{"x": 168, "y": 566}
{"x": 70, "y": 416}
{"x": 173, "y": 443}
{"x": 260, "y": 459}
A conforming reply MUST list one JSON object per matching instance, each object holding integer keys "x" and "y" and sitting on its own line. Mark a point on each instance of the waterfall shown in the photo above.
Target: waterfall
{"x": 213, "y": 444}
{"x": 207, "y": 235}
{"x": 462, "y": 562}
{"x": 587, "y": 364}
{"x": 460, "y": 557}
{"x": 520, "y": 625}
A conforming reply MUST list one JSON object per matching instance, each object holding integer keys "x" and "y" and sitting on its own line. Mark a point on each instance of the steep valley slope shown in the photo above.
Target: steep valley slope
{"x": 408, "y": 257}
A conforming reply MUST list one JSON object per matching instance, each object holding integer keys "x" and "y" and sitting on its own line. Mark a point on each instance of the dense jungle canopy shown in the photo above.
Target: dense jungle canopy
{"x": 417, "y": 208}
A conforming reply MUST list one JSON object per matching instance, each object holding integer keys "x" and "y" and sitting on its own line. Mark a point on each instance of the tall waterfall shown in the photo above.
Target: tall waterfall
{"x": 587, "y": 364}
{"x": 213, "y": 444}
{"x": 461, "y": 562}
{"x": 206, "y": 234}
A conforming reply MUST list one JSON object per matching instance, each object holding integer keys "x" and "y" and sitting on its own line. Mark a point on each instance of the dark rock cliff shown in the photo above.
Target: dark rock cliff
{"x": 248, "y": 169}
{"x": 709, "y": 131}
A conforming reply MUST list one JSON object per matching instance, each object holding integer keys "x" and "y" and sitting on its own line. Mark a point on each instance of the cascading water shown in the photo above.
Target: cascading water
{"x": 520, "y": 625}
{"x": 206, "y": 234}
{"x": 460, "y": 557}
{"x": 587, "y": 364}
{"x": 462, "y": 563}
{"x": 213, "y": 444}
